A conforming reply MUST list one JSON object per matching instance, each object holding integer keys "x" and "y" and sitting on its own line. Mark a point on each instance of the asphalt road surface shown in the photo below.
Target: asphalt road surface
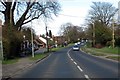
{"x": 67, "y": 63}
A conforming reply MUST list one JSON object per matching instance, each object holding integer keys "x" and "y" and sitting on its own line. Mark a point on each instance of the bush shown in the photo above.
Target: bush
{"x": 11, "y": 42}
{"x": 117, "y": 41}
{"x": 98, "y": 45}
{"x": 109, "y": 43}
{"x": 6, "y": 47}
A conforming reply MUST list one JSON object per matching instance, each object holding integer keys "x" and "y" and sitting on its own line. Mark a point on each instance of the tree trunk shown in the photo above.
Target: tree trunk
{"x": 7, "y": 13}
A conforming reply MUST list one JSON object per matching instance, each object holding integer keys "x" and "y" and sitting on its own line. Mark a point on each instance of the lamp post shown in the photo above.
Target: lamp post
{"x": 24, "y": 44}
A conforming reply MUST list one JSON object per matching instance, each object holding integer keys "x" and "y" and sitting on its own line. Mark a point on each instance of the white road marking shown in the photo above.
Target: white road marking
{"x": 68, "y": 55}
{"x": 79, "y": 68}
{"x": 75, "y": 63}
{"x": 71, "y": 59}
{"x": 86, "y": 76}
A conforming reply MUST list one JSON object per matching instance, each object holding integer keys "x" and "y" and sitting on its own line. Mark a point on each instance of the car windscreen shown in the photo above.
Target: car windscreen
{"x": 75, "y": 46}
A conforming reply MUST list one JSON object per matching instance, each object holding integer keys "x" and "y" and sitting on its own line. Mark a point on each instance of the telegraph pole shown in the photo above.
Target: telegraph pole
{"x": 93, "y": 35}
{"x": 46, "y": 39}
{"x": 113, "y": 34}
{"x": 33, "y": 54}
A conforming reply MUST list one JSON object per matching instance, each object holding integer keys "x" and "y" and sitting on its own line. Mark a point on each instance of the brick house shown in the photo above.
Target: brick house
{"x": 59, "y": 40}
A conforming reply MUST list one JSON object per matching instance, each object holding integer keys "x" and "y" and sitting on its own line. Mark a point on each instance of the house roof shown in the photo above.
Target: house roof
{"x": 43, "y": 40}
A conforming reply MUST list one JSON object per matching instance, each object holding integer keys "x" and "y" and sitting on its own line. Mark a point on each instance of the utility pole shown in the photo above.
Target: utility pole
{"x": 33, "y": 54}
{"x": 93, "y": 35}
{"x": 32, "y": 41}
{"x": 46, "y": 39}
{"x": 113, "y": 34}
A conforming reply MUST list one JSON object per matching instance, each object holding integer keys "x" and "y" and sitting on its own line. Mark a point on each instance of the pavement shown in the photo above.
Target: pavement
{"x": 9, "y": 70}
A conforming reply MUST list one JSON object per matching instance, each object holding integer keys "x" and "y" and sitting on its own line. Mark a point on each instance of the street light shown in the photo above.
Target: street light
{"x": 24, "y": 46}
{"x": 24, "y": 37}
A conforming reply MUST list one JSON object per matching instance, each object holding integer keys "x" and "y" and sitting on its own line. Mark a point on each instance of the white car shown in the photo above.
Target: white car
{"x": 75, "y": 48}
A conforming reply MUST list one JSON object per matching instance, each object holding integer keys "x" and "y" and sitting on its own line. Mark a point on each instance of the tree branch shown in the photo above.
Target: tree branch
{"x": 3, "y": 4}
{"x": 13, "y": 6}
{"x": 32, "y": 19}
{"x": 19, "y": 23}
{"x": 28, "y": 17}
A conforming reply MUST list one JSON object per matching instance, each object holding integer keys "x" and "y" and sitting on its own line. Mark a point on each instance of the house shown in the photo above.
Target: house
{"x": 40, "y": 41}
{"x": 59, "y": 40}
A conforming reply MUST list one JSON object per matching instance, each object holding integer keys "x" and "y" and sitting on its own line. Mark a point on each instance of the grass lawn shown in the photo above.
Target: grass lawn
{"x": 38, "y": 56}
{"x": 56, "y": 49}
{"x": 59, "y": 48}
{"x": 10, "y": 61}
{"x": 107, "y": 50}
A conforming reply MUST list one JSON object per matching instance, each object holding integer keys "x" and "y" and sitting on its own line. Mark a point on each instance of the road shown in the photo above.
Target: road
{"x": 72, "y": 64}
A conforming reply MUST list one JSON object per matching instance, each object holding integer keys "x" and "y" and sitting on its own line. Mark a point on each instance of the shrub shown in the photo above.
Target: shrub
{"x": 11, "y": 42}
{"x": 117, "y": 41}
{"x": 98, "y": 45}
{"x": 109, "y": 43}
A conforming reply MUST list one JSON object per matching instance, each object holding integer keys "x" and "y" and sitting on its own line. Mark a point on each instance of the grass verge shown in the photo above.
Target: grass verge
{"x": 117, "y": 58}
{"x": 59, "y": 48}
{"x": 39, "y": 56}
{"x": 107, "y": 50}
{"x": 10, "y": 61}
{"x": 110, "y": 53}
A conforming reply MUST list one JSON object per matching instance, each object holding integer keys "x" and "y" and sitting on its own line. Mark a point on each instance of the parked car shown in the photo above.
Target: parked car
{"x": 75, "y": 48}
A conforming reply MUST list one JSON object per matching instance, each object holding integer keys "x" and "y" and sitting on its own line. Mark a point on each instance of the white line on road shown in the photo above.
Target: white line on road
{"x": 86, "y": 76}
{"x": 68, "y": 55}
{"x": 75, "y": 63}
{"x": 71, "y": 59}
{"x": 79, "y": 68}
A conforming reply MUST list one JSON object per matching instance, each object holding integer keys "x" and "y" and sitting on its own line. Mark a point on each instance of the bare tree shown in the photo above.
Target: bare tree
{"x": 20, "y": 13}
{"x": 102, "y": 11}
{"x": 71, "y": 32}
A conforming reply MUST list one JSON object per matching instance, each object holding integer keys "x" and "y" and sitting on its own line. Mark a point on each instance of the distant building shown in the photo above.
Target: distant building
{"x": 40, "y": 41}
{"x": 59, "y": 39}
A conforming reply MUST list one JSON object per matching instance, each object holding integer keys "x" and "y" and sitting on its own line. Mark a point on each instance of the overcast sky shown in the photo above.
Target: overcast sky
{"x": 74, "y": 11}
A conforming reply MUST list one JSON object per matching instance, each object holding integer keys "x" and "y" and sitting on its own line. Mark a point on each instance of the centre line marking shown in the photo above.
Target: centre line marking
{"x": 71, "y": 59}
{"x": 79, "y": 68}
{"x": 86, "y": 76}
{"x": 75, "y": 63}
